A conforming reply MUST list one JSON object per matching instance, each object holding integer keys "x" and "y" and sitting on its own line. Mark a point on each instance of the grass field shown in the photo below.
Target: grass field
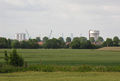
{"x": 60, "y": 76}
{"x": 65, "y": 57}
{"x": 68, "y": 56}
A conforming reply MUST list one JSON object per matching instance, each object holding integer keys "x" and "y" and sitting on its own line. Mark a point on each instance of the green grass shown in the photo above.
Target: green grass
{"x": 68, "y": 56}
{"x": 60, "y": 76}
{"x": 65, "y": 57}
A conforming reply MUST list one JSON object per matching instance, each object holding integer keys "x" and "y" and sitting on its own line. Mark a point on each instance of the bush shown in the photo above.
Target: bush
{"x": 6, "y": 57}
{"x": 14, "y": 59}
{"x": 56, "y": 68}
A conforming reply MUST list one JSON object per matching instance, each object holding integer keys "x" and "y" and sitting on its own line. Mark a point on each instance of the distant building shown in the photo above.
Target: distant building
{"x": 40, "y": 43}
{"x": 20, "y": 36}
{"x": 94, "y": 34}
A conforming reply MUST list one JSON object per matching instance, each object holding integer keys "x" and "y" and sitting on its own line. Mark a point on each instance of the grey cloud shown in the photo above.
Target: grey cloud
{"x": 67, "y": 16}
{"x": 22, "y": 7}
{"x": 95, "y": 2}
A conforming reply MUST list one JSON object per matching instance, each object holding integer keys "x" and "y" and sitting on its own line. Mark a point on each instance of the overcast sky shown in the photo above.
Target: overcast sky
{"x": 39, "y": 17}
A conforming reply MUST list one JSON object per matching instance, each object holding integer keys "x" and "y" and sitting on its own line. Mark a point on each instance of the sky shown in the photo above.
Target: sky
{"x": 63, "y": 17}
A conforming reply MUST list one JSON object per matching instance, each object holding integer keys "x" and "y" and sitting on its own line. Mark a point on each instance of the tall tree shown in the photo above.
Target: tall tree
{"x": 100, "y": 39}
{"x": 83, "y": 42}
{"x": 92, "y": 40}
{"x": 61, "y": 39}
{"x": 9, "y": 43}
{"x": 109, "y": 42}
{"x": 52, "y": 43}
{"x": 6, "y": 58}
{"x": 82, "y": 39}
{"x": 38, "y": 39}
{"x": 15, "y": 44}
{"x": 3, "y": 43}
{"x": 33, "y": 43}
{"x": 89, "y": 45}
{"x": 45, "y": 39}
{"x": 104, "y": 44}
{"x": 15, "y": 59}
{"x": 116, "y": 41}
{"x": 75, "y": 44}
{"x": 24, "y": 44}
{"x": 68, "y": 39}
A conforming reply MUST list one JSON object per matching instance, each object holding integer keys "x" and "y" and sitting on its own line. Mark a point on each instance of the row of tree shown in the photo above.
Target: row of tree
{"x": 8, "y": 43}
{"x": 76, "y": 43}
{"x": 33, "y": 43}
{"x": 81, "y": 43}
{"x": 68, "y": 39}
{"x": 111, "y": 42}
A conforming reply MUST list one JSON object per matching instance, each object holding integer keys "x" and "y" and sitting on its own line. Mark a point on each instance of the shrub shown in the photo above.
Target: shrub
{"x": 15, "y": 59}
{"x": 56, "y": 68}
{"x": 6, "y": 57}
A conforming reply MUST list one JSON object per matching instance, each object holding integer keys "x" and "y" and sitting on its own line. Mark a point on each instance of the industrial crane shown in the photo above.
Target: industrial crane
{"x": 29, "y": 37}
{"x": 50, "y": 34}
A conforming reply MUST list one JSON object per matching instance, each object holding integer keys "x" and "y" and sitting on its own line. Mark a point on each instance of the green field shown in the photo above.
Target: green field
{"x": 65, "y": 57}
{"x": 68, "y": 56}
{"x": 60, "y": 76}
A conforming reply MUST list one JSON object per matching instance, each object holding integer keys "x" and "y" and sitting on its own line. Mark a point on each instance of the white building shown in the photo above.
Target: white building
{"x": 94, "y": 34}
{"x": 20, "y": 36}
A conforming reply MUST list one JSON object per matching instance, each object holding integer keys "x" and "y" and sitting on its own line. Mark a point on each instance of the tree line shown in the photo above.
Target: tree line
{"x": 55, "y": 43}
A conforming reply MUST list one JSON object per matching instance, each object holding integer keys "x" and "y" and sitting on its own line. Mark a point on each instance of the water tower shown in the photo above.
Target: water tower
{"x": 94, "y": 34}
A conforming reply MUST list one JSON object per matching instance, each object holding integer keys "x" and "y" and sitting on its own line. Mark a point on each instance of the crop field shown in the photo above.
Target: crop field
{"x": 60, "y": 76}
{"x": 68, "y": 56}
{"x": 72, "y": 57}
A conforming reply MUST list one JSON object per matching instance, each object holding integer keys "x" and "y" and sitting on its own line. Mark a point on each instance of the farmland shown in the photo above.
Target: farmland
{"x": 60, "y": 76}
{"x": 65, "y": 57}
{"x": 68, "y": 56}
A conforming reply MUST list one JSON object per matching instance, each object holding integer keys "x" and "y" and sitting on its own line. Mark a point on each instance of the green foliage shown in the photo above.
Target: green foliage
{"x": 67, "y": 61}
{"x": 68, "y": 56}
{"x": 6, "y": 57}
{"x": 116, "y": 41}
{"x": 3, "y": 43}
{"x": 32, "y": 43}
{"x": 81, "y": 43}
{"x": 109, "y": 42}
{"x": 38, "y": 39}
{"x": 92, "y": 39}
{"x": 82, "y": 39}
{"x": 61, "y": 39}
{"x": 24, "y": 44}
{"x": 68, "y": 39}
{"x": 58, "y": 68}
{"x": 52, "y": 43}
{"x": 45, "y": 39}
{"x": 100, "y": 39}
{"x": 9, "y": 41}
{"x": 62, "y": 42}
{"x": 75, "y": 44}
{"x": 15, "y": 59}
{"x": 104, "y": 44}
{"x": 89, "y": 45}
{"x": 15, "y": 44}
